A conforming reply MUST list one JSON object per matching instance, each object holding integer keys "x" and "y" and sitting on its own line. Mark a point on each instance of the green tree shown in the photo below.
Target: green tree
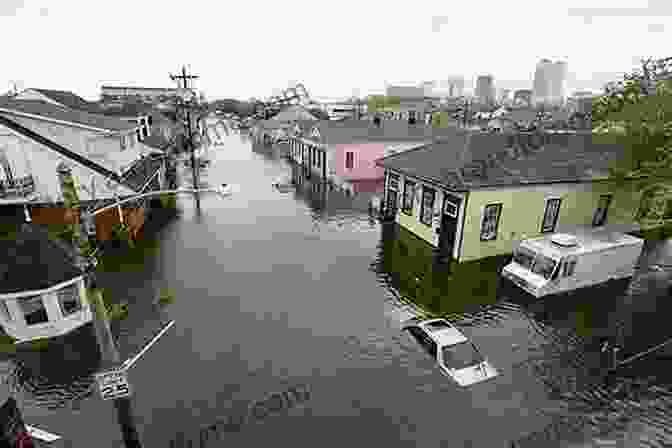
{"x": 637, "y": 113}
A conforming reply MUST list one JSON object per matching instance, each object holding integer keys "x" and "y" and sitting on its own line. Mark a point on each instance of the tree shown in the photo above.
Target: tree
{"x": 637, "y": 113}
{"x": 376, "y": 103}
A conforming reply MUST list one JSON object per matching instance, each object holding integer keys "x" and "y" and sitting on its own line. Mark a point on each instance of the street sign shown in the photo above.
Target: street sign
{"x": 113, "y": 384}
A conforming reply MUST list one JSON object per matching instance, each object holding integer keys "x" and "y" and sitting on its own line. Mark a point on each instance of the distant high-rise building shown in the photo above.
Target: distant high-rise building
{"x": 549, "y": 82}
{"x": 504, "y": 96}
{"x": 485, "y": 89}
{"x": 522, "y": 97}
{"x": 453, "y": 86}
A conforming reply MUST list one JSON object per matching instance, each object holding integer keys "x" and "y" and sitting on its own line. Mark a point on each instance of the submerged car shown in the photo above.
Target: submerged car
{"x": 457, "y": 357}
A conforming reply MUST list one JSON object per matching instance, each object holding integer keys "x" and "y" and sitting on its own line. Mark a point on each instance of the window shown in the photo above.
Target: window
{"x": 550, "y": 215}
{"x": 568, "y": 267}
{"x": 124, "y": 143}
{"x": 409, "y": 196}
{"x": 349, "y": 160}
{"x": 394, "y": 182}
{"x": 543, "y": 266}
{"x": 4, "y": 311}
{"x": 138, "y": 134}
{"x": 427, "y": 206}
{"x": 450, "y": 208}
{"x": 668, "y": 210}
{"x": 600, "y": 217}
{"x": 524, "y": 257}
{"x": 34, "y": 310}
{"x": 491, "y": 215}
{"x": 68, "y": 299}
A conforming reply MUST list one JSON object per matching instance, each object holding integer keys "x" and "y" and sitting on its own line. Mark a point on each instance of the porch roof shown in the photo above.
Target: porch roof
{"x": 32, "y": 251}
{"x": 567, "y": 158}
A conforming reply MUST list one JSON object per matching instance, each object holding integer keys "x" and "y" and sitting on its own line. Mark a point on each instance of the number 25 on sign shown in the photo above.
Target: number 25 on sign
{"x": 113, "y": 384}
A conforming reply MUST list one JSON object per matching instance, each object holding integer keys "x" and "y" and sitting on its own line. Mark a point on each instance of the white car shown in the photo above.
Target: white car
{"x": 457, "y": 357}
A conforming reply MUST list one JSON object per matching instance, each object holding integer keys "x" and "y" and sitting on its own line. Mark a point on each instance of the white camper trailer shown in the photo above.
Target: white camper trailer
{"x": 564, "y": 262}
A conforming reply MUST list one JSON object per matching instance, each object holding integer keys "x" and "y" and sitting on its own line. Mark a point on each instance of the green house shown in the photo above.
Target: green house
{"x": 474, "y": 195}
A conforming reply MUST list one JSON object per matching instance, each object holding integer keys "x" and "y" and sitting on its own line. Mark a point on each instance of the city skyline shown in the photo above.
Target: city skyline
{"x": 235, "y": 59}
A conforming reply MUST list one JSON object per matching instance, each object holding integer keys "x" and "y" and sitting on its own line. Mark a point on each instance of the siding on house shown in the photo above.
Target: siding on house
{"x": 523, "y": 212}
{"x": 412, "y": 222}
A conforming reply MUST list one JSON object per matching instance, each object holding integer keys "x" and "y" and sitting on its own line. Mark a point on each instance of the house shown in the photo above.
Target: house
{"x": 58, "y": 97}
{"x": 475, "y": 195}
{"x": 341, "y": 151}
{"x": 134, "y": 113}
{"x": 151, "y": 94}
{"x": 42, "y": 290}
{"x": 38, "y": 144}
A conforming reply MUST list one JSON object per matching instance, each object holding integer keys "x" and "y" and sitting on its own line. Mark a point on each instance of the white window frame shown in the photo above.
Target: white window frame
{"x": 557, "y": 217}
{"x": 606, "y": 211}
{"x": 414, "y": 185}
{"x": 76, "y": 287}
{"x": 37, "y": 297}
{"x": 499, "y": 218}
{"x": 447, "y": 201}
{"x": 423, "y": 208}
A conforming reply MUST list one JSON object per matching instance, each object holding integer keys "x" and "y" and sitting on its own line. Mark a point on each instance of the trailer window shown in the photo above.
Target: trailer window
{"x": 543, "y": 266}
{"x": 568, "y": 267}
{"x": 524, "y": 257}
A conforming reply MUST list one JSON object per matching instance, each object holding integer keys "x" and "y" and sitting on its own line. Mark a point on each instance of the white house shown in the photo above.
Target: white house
{"x": 48, "y": 302}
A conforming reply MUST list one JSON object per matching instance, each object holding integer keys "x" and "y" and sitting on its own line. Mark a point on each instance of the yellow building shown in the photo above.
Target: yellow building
{"x": 475, "y": 195}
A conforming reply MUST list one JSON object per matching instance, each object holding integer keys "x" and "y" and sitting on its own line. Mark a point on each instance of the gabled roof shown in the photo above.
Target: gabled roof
{"x": 352, "y": 131}
{"x": 567, "y": 158}
{"x": 68, "y": 99}
{"x": 73, "y": 117}
{"x": 130, "y": 179}
{"x": 30, "y": 260}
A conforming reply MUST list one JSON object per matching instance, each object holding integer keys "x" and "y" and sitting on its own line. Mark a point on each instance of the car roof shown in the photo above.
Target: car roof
{"x": 445, "y": 336}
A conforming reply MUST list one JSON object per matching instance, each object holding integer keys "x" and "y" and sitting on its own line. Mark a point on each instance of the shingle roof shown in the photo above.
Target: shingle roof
{"x": 293, "y": 113}
{"x": 30, "y": 261}
{"x": 65, "y": 98}
{"x": 76, "y": 117}
{"x": 156, "y": 141}
{"x": 141, "y": 172}
{"x": 567, "y": 158}
{"x": 351, "y": 131}
{"x": 124, "y": 109}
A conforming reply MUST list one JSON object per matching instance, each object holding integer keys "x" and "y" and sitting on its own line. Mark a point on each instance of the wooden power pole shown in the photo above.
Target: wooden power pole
{"x": 184, "y": 77}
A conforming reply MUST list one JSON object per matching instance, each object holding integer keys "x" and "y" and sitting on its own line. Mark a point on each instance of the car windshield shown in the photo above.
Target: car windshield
{"x": 543, "y": 266}
{"x": 437, "y": 325}
{"x": 524, "y": 257}
{"x": 461, "y": 356}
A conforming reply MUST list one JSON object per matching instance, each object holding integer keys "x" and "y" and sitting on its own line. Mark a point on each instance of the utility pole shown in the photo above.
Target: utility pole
{"x": 184, "y": 77}
{"x": 101, "y": 323}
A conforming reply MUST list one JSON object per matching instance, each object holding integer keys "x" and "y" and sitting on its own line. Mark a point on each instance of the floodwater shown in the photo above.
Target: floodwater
{"x": 279, "y": 289}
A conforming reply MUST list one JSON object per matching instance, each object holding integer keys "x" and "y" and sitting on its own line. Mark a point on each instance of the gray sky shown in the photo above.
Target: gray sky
{"x": 244, "y": 49}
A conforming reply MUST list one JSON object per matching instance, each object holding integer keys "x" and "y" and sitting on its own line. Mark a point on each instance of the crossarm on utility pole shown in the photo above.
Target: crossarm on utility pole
{"x": 156, "y": 193}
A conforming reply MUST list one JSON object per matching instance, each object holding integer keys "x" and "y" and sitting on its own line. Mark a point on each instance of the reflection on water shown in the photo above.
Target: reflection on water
{"x": 60, "y": 375}
{"x": 561, "y": 344}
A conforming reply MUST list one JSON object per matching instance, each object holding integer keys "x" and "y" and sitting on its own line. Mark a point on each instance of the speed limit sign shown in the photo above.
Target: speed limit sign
{"x": 113, "y": 384}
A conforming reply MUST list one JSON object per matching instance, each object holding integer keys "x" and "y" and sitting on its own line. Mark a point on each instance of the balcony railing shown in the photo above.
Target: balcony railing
{"x": 21, "y": 186}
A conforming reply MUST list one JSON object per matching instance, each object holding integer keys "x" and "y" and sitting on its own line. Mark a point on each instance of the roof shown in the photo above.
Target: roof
{"x": 157, "y": 89}
{"x": 75, "y": 117}
{"x": 351, "y": 131}
{"x": 449, "y": 161}
{"x": 124, "y": 109}
{"x": 444, "y": 336}
{"x": 293, "y": 113}
{"x": 588, "y": 239}
{"x": 65, "y": 98}
{"x": 137, "y": 176}
{"x": 131, "y": 179}
{"x": 157, "y": 141}
{"x": 32, "y": 251}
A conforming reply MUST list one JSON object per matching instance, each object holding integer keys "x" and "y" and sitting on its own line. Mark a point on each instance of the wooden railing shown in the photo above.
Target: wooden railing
{"x": 21, "y": 186}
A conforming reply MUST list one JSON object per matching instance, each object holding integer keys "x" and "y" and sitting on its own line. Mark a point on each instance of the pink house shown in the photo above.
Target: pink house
{"x": 342, "y": 151}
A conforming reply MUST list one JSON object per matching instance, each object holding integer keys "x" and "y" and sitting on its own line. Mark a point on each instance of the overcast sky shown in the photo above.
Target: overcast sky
{"x": 246, "y": 48}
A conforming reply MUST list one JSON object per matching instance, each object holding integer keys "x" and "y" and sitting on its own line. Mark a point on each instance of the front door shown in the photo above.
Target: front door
{"x": 449, "y": 222}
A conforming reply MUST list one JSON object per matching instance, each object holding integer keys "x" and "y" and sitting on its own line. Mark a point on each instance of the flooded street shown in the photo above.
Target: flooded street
{"x": 303, "y": 288}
